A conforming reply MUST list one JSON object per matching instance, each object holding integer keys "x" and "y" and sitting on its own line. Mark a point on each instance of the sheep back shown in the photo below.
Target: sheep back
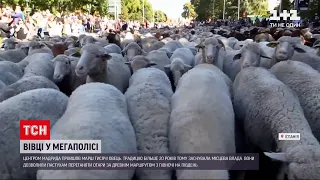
{"x": 305, "y": 81}
{"x": 26, "y": 84}
{"x": 34, "y": 104}
{"x": 148, "y": 99}
{"x": 96, "y": 111}
{"x": 199, "y": 119}
{"x": 10, "y": 72}
{"x": 40, "y": 67}
{"x": 118, "y": 74}
{"x": 264, "y": 102}
{"x": 160, "y": 58}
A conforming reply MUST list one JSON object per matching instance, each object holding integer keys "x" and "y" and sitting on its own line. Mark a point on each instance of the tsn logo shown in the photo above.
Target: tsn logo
{"x": 34, "y": 129}
{"x": 293, "y": 16}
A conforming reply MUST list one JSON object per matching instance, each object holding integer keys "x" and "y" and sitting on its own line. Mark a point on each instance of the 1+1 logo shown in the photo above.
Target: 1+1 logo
{"x": 293, "y": 15}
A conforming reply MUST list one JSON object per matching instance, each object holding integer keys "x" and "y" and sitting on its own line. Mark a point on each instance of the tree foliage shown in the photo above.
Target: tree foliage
{"x": 189, "y": 11}
{"x": 130, "y": 9}
{"x": 206, "y": 9}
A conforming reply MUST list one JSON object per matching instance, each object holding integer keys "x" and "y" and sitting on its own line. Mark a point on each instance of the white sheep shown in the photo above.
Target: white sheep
{"x": 9, "y": 43}
{"x": 305, "y": 81}
{"x": 133, "y": 49}
{"x": 73, "y": 51}
{"x": 139, "y": 62}
{"x": 160, "y": 58}
{"x": 170, "y": 47}
{"x": 249, "y": 55}
{"x": 64, "y": 74}
{"x": 226, "y": 79}
{"x": 148, "y": 99}
{"x": 39, "y": 67}
{"x": 13, "y": 55}
{"x": 112, "y": 48}
{"x": 29, "y": 58}
{"x": 102, "y": 67}
{"x": 34, "y": 104}
{"x": 26, "y": 84}
{"x": 156, "y": 45}
{"x": 232, "y": 41}
{"x": 184, "y": 42}
{"x": 37, "y": 47}
{"x": 182, "y": 60}
{"x": 268, "y": 107}
{"x": 96, "y": 111}
{"x": 202, "y": 123}
{"x": 213, "y": 51}
{"x": 10, "y": 72}
{"x": 238, "y": 45}
{"x": 292, "y": 48}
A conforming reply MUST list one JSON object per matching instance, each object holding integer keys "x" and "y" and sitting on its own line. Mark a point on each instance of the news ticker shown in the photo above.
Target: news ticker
{"x": 144, "y": 161}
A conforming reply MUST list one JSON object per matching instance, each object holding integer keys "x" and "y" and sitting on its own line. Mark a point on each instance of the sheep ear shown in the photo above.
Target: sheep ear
{"x": 199, "y": 46}
{"x": 273, "y": 44}
{"x": 106, "y": 57}
{"x": 277, "y": 156}
{"x": 151, "y": 64}
{"x": 299, "y": 49}
{"x": 237, "y": 56}
{"x": 316, "y": 46}
{"x": 221, "y": 43}
{"x": 187, "y": 67}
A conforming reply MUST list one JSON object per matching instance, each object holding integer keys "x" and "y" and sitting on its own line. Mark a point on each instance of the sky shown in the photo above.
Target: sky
{"x": 173, "y": 8}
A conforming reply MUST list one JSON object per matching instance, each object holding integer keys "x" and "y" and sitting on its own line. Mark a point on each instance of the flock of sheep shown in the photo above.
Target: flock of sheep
{"x": 192, "y": 92}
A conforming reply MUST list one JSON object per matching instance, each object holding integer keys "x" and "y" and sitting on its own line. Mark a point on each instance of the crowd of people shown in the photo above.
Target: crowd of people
{"x": 16, "y": 23}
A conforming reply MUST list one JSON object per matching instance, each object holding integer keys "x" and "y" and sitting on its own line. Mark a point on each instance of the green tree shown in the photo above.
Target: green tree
{"x": 133, "y": 10}
{"x": 160, "y": 16}
{"x": 188, "y": 11}
{"x": 206, "y": 9}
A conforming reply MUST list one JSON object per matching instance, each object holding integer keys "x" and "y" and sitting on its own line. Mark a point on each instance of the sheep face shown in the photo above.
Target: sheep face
{"x": 285, "y": 48}
{"x": 132, "y": 50}
{"x": 210, "y": 49}
{"x": 139, "y": 62}
{"x": 250, "y": 55}
{"x": 62, "y": 68}
{"x": 177, "y": 68}
{"x": 87, "y": 40}
{"x": 239, "y": 45}
{"x": 91, "y": 64}
{"x": 9, "y": 45}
